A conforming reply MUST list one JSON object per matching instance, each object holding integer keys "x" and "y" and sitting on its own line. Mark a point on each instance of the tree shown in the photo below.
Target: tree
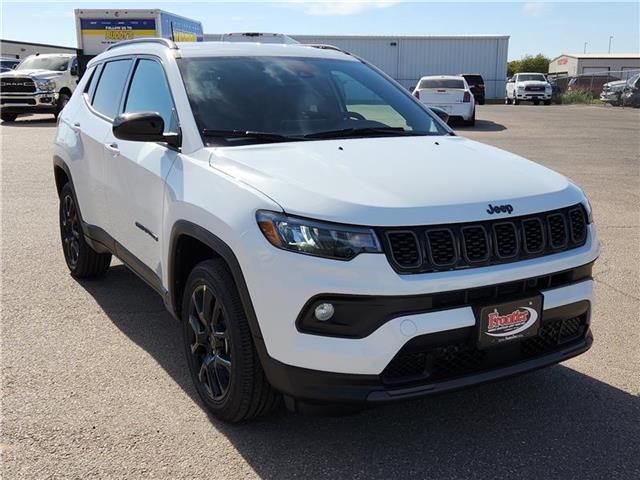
{"x": 529, "y": 63}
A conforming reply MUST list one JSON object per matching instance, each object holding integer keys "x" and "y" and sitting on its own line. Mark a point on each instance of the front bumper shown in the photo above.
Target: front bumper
{"x": 458, "y": 369}
{"x": 533, "y": 95}
{"x": 28, "y": 102}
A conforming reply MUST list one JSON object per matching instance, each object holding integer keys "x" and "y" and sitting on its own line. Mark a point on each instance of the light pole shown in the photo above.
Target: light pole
{"x": 585, "y": 47}
{"x": 610, "y": 38}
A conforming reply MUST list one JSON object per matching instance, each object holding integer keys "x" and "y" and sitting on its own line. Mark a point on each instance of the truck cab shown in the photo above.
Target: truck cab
{"x": 39, "y": 84}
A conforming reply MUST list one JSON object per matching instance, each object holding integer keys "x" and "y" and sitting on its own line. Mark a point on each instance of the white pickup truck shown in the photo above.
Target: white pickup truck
{"x": 528, "y": 87}
{"x": 40, "y": 84}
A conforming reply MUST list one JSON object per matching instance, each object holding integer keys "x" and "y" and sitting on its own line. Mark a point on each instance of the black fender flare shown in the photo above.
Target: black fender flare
{"x": 185, "y": 227}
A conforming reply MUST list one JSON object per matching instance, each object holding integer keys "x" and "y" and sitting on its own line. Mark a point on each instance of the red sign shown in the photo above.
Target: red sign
{"x": 563, "y": 61}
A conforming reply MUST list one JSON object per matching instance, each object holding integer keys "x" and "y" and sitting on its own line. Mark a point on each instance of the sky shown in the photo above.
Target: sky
{"x": 551, "y": 28}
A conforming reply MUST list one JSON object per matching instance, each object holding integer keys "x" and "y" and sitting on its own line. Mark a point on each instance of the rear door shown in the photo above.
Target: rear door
{"x": 92, "y": 124}
{"x": 442, "y": 92}
{"x": 136, "y": 170}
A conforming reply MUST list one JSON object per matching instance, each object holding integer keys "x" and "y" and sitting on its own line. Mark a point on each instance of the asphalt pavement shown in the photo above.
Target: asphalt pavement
{"x": 94, "y": 383}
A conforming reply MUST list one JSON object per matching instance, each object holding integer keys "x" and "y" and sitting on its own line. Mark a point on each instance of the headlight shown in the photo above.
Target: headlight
{"x": 46, "y": 85}
{"x": 330, "y": 240}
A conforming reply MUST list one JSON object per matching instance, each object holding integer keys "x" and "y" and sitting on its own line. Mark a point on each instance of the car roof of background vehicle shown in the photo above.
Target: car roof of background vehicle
{"x": 442, "y": 77}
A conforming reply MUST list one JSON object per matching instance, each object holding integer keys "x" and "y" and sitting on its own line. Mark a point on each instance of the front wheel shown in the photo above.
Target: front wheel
{"x": 8, "y": 117}
{"x": 82, "y": 260}
{"x": 222, "y": 358}
{"x": 63, "y": 99}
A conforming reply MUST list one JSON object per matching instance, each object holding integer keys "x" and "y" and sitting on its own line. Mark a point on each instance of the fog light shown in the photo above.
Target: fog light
{"x": 324, "y": 312}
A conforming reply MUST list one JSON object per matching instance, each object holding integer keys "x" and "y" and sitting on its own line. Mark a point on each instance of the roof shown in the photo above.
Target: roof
{"x": 202, "y": 49}
{"x": 446, "y": 77}
{"x": 220, "y": 49}
{"x": 408, "y": 37}
{"x": 599, "y": 55}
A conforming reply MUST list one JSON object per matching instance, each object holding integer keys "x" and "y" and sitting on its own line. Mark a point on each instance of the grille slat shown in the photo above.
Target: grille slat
{"x": 456, "y": 246}
{"x": 442, "y": 247}
{"x": 17, "y": 85}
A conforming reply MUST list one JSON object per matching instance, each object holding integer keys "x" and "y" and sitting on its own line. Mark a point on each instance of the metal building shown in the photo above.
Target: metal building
{"x": 15, "y": 49}
{"x": 620, "y": 65}
{"x": 407, "y": 58}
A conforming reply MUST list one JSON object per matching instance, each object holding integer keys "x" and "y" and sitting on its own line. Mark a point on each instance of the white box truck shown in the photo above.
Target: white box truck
{"x": 96, "y": 29}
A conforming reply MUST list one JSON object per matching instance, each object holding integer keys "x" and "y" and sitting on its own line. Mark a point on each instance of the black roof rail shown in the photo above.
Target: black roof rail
{"x": 163, "y": 41}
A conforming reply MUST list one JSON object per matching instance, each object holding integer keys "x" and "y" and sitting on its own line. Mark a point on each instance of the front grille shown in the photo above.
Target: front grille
{"x": 456, "y": 246}
{"x": 447, "y": 360}
{"x": 17, "y": 85}
{"x": 534, "y": 89}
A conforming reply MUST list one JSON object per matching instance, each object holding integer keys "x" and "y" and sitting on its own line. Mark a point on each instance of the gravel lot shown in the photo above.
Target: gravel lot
{"x": 94, "y": 384}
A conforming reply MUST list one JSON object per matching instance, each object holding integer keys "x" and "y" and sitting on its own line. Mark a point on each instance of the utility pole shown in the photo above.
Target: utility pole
{"x": 585, "y": 47}
{"x": 610, "y": 38}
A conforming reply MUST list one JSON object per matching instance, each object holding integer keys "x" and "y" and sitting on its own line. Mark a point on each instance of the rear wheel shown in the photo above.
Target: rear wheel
{"x": 222, "y": 358}
{"x": 82, "y": 260}
{"x": 472, "y": 121}
{"x": 8, "y": 117}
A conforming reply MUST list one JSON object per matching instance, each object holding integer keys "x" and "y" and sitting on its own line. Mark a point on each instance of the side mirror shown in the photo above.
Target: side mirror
{"x": 73, "y": 71}
{"x": 143, "y": 127}
{"x": 444, "y": 116}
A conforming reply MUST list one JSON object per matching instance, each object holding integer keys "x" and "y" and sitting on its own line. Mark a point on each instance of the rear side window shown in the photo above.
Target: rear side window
{"x": 441, "y": 83}
{"x": 110, "y": 86}
{"x": 90, "y": 89}
{"x": 149, "y": 92}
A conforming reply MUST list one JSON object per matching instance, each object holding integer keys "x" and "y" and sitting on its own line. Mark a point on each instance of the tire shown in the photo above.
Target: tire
{"x": 547, "y": 102}
{"x": 222, "y": 358}
{"x": 507, "y": 100}
{"x": 82, "y": 260}
{"x": 8, "y": 117}
{"x": 63, "y": 99}
{"x": 472, "y": 121}
{"x": 516, "y": 101}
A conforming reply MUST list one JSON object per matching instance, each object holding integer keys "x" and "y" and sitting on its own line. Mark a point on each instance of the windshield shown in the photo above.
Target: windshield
{"x": 58, "y": 64}
{"x": 537, "y": 77}
{"x": 8, "y": 63}
{"x": 282, "y": 98}
{"x": 441, "y": 83}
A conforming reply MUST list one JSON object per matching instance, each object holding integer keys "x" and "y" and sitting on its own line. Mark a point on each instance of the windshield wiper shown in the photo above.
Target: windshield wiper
{"x": 266, "y": 136}
{"x": 364, "y": 132}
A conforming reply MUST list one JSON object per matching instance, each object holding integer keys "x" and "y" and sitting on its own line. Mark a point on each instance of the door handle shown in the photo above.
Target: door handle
{"x": 76, "y": 126}
{"x": 112, "y": 147}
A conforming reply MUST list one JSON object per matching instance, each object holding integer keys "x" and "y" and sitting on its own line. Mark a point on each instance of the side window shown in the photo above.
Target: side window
{"x": 361, "y": 101}
{"x": 149, "y": 92}
{"x": 106, "y": 99}
{"x": 73, "y": 67}
{"x": 90, "y": 89}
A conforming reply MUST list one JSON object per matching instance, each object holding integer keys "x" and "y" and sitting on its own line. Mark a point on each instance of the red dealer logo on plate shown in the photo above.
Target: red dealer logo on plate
{"x": 512, "y": 323}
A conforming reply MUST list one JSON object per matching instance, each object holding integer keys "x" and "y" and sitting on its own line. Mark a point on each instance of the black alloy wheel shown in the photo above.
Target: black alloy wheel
{"x": 210, "y": 344}
{"x": 70, "y": 229}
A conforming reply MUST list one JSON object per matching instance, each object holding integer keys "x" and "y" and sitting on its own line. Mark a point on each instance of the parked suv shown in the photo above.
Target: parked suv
{"x": 40, "y": 84}
{"x": 476, "y": 84}
{"x": 321, "y": 235}
{"x": 528, "y": 87}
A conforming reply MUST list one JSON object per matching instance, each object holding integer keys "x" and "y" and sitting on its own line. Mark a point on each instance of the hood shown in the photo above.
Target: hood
{"x": 38, "y": 73}
{"x": 395, "y": 180}
{"x": 615, "y": 84}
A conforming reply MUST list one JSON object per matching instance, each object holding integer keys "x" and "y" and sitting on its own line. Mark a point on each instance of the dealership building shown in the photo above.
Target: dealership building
{"x": 407, "y": 58}
{"x": 620, "y": 65}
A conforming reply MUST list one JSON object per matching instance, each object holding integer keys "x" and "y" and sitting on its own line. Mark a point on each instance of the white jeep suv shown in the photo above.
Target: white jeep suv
{"x": 321, "y": 236}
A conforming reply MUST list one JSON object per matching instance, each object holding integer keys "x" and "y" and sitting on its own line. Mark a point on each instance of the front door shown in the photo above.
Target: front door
{"x": 137, "y": 171}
